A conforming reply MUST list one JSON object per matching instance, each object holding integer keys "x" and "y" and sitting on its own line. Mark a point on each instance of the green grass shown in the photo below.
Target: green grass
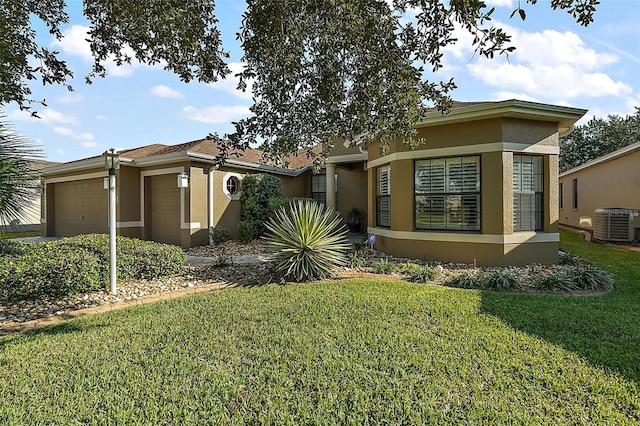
{"x": 603, "y": 329}
{"x": 346, "y": 352}
{"x": 8, "y": 235}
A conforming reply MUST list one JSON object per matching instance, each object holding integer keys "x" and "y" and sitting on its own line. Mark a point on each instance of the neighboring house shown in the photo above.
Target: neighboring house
{"x": 611, "y": 181}
{"x": 483, "y": 188}
{"x": 30, "y": 220}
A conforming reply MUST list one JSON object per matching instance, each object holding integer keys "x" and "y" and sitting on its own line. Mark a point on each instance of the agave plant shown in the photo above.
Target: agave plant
{"x": 307, "y": 239}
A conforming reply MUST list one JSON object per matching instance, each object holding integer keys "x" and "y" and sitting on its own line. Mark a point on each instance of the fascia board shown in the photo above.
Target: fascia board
{"x": 250, "y": 166}
{"x": 88, "y": 163}
{"x": 511, "y": 108}
{"x": 609, "y": 157}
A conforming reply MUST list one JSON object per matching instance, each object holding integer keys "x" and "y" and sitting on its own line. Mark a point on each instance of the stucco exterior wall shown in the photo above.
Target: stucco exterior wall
{"x": 613, "y": 183}
{"x": 495, "y": 141}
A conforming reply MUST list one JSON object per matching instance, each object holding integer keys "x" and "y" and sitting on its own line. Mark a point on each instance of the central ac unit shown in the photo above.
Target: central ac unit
{"x": 616, "y": 224}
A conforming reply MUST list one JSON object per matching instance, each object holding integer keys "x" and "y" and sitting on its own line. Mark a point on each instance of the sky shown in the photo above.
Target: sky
{"x": 557, "y": 61}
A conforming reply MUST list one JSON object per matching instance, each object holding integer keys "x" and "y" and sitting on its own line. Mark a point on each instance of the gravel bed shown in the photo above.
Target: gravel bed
{"x": 230, "y": 248}
{"x": 245, "y": 275}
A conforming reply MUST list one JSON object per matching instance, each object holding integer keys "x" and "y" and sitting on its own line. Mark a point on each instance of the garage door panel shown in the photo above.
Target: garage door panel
{"x": 80, "y": 207}
{"x": 165, "y": 210}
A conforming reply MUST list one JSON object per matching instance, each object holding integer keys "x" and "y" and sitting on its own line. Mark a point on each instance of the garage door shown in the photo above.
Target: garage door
{"x": 165, "y": 209}
{"x": 80, "y": 207}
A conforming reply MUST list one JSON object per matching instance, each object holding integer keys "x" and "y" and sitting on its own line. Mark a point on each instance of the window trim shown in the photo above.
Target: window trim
{"x": 574, "y": 194}
{"x": 561, "y": 195}
{"x": 446, "y": 194}
{"x": 225, "y": 180}
{"x": 380, "y": 197}
{"x": 318, "y": 175}
{"x": 540, "y": 226}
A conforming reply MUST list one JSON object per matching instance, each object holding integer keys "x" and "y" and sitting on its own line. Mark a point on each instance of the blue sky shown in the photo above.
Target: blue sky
{"x": 556, "y": 61}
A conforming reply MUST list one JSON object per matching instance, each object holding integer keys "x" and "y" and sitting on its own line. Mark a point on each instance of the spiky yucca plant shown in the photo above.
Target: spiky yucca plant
{"x": 307, "y": 239}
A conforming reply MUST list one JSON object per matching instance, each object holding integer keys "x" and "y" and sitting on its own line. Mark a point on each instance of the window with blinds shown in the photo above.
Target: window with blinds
{"x": 383, "y": 196}
{"x": 319, "y": 188}
{"x": 527, "y": 193}
{"x": 447, "y": 194}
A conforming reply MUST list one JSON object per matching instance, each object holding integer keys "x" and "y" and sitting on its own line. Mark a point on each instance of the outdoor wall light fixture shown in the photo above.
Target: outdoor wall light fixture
{"x": 183, "y": 180}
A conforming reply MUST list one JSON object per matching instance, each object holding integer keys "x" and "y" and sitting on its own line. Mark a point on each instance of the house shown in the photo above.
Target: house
{"x": 483, "y": 188}
{"x": 611, "y": 181}
{"x": 151, "y": 206}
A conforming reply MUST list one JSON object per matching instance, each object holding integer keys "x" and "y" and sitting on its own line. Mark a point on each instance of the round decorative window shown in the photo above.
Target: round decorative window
{"x": 233, "y": 185}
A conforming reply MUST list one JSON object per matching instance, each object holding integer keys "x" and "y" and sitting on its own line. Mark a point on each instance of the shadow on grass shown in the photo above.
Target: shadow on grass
{"x": 67, "y": 327}
{"x": 605, "y": 330}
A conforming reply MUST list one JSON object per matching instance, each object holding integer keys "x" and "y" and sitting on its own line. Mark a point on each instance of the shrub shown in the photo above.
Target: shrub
{"x": 257, "y": 191}
{"x": 221, "y": 260}
{"x": 424, "y": 274}
{"x": 554, "y": 282}
{"x": 8, "y": 247}
{"x": 567, "y": 258}
{"x": 218, "y": 235}
{"x": 408, "y": 268}
{"x": 360, "y": 244}
{"x": 464, "y": 280}
{"x": 354, "y": 259}
{"x": 498, "y": 280}
{"x": 308, "y": 241}
{"x": 590, "y": 277}
{"x": 77, "y": 264}
{"x": 384, "y": 267}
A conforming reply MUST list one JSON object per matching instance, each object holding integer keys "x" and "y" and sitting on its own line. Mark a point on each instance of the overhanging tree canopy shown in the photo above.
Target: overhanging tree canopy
{"x": 321, "y": 69}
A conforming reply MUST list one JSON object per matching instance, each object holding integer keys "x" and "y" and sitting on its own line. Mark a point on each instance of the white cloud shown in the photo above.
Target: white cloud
{"x": 216, "y": 114}
{"x": 502, "y": 95}
{"x": 87, "y": 140}
{"x": 499, "y": 3}
{"x": 47, "y": 116}
{"x": 229, "y": 85}
{"x": 551, "y": 65}
{"x": 165, "y": 92}
{"x": 74, "y": 43}
{"x": 70, "y": 98}
{"x": 101, "y": 117}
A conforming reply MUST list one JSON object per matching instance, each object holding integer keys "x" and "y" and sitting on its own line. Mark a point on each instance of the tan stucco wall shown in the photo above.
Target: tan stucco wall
{"x": 496, "y": 193}
{"x": 484, "y": 254}
{"x": 614, "y": 183}
{"x": 352, "y": 184}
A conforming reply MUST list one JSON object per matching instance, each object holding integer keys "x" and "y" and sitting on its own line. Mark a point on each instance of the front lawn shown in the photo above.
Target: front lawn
{"x": 343, "y": 352}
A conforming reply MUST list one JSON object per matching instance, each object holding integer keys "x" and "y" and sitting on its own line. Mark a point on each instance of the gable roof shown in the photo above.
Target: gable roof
{"x": 202, "y": 150}
{"x": 605, "y": 158}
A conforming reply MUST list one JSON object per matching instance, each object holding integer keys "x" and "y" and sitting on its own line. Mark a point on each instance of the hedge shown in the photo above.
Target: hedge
{"x": 78, "y": 264}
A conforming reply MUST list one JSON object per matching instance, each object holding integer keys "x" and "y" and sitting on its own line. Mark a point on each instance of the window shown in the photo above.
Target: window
{"x": 383, "y": 196}
{"x": 561, "y": 198}
{"x": 233, "y": 185}
{"x": 319, "y": 188}
{"x": 527, "y": 193}
{"x": 447, "y": 194}
{"x": 574, "y": 194}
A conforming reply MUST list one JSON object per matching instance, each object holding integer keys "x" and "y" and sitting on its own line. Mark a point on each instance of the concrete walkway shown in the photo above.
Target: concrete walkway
{"x": 235, "y": 260}
{"x": 35, "y": 239}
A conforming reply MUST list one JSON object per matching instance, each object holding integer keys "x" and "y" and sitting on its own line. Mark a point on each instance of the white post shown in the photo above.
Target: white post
{"x": 330, "y": 186}
{"x": 112, "y": 230}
